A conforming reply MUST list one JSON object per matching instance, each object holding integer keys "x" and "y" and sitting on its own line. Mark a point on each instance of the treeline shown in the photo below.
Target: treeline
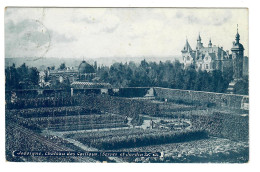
{"x": 165, "y": 74}
{"x": 21, "y": 77}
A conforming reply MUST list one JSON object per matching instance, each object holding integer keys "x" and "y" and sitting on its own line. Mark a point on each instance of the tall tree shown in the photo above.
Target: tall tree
{"x": 33, "y": 75}
{"x": 62, "y": 66}
{"x": 11, "y": 78}
{"x": 21, "y": 77}
{"x": 242, "y": 87}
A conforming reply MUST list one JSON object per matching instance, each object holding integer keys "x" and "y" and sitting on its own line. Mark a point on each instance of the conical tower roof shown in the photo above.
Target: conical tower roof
{"x": 199, "y": 38}
{"x": 187, "y": 47}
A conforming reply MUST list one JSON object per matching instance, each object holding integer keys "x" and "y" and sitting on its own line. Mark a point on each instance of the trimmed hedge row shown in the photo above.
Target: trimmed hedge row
{"x": 54, "y": 112}
{"x": 88, "y": 127}
{"x": 144, "y": 139}
{"x": 74, "y": 120}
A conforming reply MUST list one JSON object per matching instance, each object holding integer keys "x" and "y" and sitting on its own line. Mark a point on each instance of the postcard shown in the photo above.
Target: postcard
{"x": 126, "y": 85}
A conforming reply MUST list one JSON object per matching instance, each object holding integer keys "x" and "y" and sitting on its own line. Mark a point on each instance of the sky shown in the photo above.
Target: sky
{"x": 118, "y": 32}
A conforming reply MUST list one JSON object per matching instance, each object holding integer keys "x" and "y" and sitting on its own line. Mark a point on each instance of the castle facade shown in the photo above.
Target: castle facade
{"x": 214, "y": 57}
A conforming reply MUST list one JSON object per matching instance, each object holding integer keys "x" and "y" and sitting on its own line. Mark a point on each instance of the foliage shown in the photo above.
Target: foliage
{"x": 165, "y": 74}
{"x": 137, "y": 120}
{"x": 22, "y": 77}
{"x": 62, "y": 66}
{"x": 241, "y": 87}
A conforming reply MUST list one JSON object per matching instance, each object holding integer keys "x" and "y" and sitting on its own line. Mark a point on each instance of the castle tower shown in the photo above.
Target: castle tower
{"x": 237, "y": 57}
{"x": 199, "y": 44}
{"x": 186, "y": 48}
{"x": 187, "y": 54}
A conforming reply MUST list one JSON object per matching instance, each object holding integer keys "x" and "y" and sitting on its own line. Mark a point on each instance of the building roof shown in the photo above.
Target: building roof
{"x": 199, "y": 38}
{"x": 216, "y": 51}
{"x": 237, "y": 46}
{"x": 213, "y": 56}
{"x": 82, "y": 85}
{"x": 84, "y": 67}
{"x": 187, "y": 47}
{"x": 213, "y": 49}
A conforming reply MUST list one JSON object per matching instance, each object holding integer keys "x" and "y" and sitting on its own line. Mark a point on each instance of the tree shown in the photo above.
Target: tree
{"x": 104, "y": 76}
{"x": 11, "y": 78}
{"x": 227, "y": 77}
{"x": 189, "y": 78}
{"x": 199, "y": 81}
{"x": 33, "y": 75}
{"x": 217, "y": 81}
{"x": 46, "y": 75}
{"x": 62, "y": 66}
{"x": 23, "y": 70}
{"x": 21, "y": 77}
{"x": 241, "y": 87}
{"x": 179, "y": 79}
{"x": 164, "y": 74}
{"x": 205, "y": 79}
{"x": 144, "y": 64}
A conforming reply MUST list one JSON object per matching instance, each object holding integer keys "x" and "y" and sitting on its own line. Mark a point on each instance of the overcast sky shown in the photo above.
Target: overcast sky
{"x": 118, "y": 32}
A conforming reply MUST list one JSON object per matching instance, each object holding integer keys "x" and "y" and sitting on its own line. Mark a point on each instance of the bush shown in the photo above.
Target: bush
{"x": 137, "y": 120}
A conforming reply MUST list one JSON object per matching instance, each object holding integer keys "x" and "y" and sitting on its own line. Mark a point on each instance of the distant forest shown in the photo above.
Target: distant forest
{"x": 163, "y": 74}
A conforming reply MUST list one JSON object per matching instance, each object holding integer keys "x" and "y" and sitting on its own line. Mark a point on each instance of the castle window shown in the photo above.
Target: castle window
{"x": 188, "y": 58}
{"x": 207, "y": 66}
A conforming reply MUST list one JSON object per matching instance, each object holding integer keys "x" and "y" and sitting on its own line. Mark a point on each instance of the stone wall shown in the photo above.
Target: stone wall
{"x": 188, "y": 96}
{"x": 133, "y": 91}
{"x": 182, "y": 96}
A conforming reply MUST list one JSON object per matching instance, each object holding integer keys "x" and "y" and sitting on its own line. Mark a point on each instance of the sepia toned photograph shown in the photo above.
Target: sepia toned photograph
{"x": 126, "y": 85}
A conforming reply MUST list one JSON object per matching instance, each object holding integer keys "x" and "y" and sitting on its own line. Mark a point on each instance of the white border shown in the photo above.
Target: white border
{"x": 254, "y": 56}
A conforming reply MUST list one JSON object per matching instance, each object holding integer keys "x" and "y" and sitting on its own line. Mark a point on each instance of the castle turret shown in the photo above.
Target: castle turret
{"x": 199, "y": 44}
{"x": 187, "y": 47}
{"x": 237, "y": 56}
{"x": 187, "y": 54}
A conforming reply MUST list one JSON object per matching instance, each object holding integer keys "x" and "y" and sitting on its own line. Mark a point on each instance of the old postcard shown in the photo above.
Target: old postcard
{"x": 142, "y": 85}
